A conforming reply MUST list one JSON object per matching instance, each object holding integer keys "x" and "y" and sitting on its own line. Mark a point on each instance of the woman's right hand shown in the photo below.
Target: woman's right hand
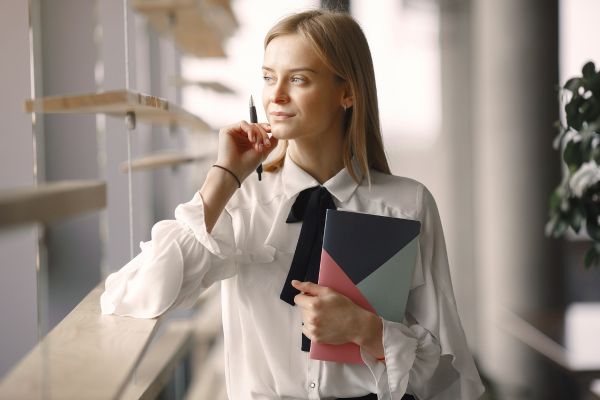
{"x": 243, "y": 146}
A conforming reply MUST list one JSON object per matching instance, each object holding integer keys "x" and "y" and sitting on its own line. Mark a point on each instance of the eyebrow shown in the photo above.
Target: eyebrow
{"x": 293, "y": 69}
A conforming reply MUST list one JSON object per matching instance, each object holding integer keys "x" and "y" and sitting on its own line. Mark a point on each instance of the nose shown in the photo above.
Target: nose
{"x": 279, "y": 93}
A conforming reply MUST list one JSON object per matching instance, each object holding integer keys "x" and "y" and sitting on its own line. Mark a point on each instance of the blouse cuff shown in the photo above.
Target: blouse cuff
{"x": 220, "y": 241}
{"x": 377, "y": 369}
{"x": 411, "y": 354}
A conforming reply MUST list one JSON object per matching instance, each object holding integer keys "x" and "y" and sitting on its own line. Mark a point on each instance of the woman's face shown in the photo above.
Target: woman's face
{"x": 301, "y": 96}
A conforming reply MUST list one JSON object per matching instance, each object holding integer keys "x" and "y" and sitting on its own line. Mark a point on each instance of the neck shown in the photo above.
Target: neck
{"x": 321, "y": 158}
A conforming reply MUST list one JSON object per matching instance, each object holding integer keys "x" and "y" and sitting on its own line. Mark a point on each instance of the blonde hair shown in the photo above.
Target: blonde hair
{"x": 340, "y": 43}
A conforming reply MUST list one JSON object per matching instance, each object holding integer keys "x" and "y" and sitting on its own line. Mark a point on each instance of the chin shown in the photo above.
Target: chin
{"x": 283, "y": 132}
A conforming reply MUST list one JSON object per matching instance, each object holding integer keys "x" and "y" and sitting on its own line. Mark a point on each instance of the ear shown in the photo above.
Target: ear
{"x": 347, "y": 100}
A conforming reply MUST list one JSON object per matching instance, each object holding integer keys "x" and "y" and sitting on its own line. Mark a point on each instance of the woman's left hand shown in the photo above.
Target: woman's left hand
{"x": 329, "y": 317}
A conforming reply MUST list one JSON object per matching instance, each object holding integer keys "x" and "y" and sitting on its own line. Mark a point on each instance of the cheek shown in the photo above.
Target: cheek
{"x": 321, "y": 109}
{"x": 319, "y": 101}
{"x": 265, "y": 101}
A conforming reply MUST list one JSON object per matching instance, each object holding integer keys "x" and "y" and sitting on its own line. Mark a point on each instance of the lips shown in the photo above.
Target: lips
{"x": 281, "y": 114}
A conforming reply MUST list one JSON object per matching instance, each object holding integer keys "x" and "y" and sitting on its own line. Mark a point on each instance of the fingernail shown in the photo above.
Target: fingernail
{"x": 267, "y": 142}
{"x": 260, "y": 147}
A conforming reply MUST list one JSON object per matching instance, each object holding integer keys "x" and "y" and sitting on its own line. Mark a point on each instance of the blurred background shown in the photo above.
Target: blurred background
{"x": 468, "y": 100}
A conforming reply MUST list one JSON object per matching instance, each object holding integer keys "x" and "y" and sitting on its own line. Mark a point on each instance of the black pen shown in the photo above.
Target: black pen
{"x": 254, "y": 119}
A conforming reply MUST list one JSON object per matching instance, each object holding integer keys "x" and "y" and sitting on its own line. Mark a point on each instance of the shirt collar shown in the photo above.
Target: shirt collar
{"x": 295, "y": 179}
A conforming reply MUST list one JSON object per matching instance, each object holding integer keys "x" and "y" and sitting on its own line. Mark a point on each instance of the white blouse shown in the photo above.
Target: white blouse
{"x": 250, "y": 250}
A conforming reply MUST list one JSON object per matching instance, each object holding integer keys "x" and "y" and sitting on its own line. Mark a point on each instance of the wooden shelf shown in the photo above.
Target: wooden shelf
{"x": 160, "y": 361}
{"x": 86, "y": 356}
{"x": 51, "y": 201}
{"x": 198, "y": 27}
{"x": 118, "y": 103}
{"x": 160, "y": 160}
{"x": 210, "y": 85}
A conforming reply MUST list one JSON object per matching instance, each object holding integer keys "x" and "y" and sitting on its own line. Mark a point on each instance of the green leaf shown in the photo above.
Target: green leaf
{"x": 573, "y": 84}
{"x": 574, "y": 118}
{"x": 588, "y": 70}
{"x": 586, "y": 148}
{"x": 560, "y": 228}
{"x": 594, "y": 85}
{"x": 573, "y": 155}
{"x": 596, "y": 155}
{"x": 555, "y": 200}
{"x": 576, "y": 218}
{"x": 592, "y": 228}
{"x": 556, "y": 226}
{"x": 592, "y": 112}
{"x": 591, "y": 257}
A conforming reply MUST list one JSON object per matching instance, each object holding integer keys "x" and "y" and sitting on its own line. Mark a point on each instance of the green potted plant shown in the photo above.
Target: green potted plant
{"x": 575, "y": 203}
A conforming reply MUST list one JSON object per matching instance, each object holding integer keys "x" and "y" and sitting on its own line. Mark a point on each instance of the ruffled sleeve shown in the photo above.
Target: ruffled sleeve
{"x": 427, "y": 355}
{"x": 433, "y": 307}
{"x": 411, "y": 356}
{"x": 179, "y": 262}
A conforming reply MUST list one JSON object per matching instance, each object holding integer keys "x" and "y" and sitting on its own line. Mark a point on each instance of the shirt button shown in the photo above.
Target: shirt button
{"x": 312, "y": 385}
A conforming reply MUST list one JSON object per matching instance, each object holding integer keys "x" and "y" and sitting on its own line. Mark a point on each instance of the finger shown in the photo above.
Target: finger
{"x": 264, "y": 135}
{"x": 274, "y": 141}
{"x": 259, "y": 136}
{"x": 249, "y": 130}
{"x": 300, "y": 300}
{"x": 307, "y": 332}
{"x": 308, "y": 287}
{"x": 304, "y": 301}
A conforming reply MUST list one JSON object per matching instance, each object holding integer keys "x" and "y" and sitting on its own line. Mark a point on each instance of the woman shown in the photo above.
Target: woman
{"x": 320, "y": 99}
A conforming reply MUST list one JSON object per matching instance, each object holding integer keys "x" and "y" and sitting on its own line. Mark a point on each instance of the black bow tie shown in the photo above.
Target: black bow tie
{"x": 310, "y": 207}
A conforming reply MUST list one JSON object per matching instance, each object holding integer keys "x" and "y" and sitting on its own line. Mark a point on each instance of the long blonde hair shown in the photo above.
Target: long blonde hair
{"x": 341, "y": 44}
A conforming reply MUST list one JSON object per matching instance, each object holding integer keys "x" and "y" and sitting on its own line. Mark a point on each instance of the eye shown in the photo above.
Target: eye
{"x": 268, "y": 78}
{"x": 297, "y": 79}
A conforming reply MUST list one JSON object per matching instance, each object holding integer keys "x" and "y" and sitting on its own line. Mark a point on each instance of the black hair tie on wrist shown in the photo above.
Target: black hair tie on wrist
{"x": 234, "y": 175}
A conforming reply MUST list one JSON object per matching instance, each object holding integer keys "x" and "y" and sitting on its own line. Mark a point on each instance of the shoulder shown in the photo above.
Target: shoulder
{"x": 406, "y": 195}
